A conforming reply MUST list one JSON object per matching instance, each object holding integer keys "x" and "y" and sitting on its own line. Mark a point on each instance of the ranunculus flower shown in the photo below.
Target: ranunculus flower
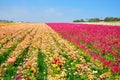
{"x": 102, "y": 76}
{"x": 63, "y": 74}
{"x": 18, "y": 77}
{"x": 58, "y": 61}
{"x": 0, "y": 74}
{"x": 28, "y": 63}
{"x": 107, "y": 63}
{"x": 19, "y": 68}
{"x": 54, "y": 61}
{"x": 33, "y": 69}
{"x": 115, "y": 68}
{"x": 12, "y": 60}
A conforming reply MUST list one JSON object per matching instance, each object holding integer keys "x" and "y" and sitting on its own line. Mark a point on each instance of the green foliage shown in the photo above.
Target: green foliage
{"x": 111, "y": 19}
{"x": 94, "y": 20}
{"x": 109, "y": 56}
{"x": 42, "y": 67}
{"x": 81, "y": 20}
{"x": 106, "y": 19}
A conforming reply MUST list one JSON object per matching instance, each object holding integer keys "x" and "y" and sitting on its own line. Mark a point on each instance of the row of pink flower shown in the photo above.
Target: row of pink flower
{"x": 102, "y": 38}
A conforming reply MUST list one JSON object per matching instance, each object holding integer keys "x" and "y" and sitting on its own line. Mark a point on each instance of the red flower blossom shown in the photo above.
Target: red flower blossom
{"x": 115, "y": 68}
{"x": 54, "y": 61}
{"x": 18, "y": 77}
{"x": 107, "y": 63}
{"x": 58, "y": 61}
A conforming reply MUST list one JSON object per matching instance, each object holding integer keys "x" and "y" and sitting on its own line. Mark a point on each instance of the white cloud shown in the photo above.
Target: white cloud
{"x": 29, "y": 14}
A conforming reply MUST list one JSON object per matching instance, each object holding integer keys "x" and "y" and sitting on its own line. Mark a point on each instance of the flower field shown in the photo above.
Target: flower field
{"x": 59, "y": 51}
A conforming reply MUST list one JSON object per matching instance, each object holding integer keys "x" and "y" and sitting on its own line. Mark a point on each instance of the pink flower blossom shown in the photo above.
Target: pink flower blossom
{"x": 115, "y": 68}
{"x": 11, "y": 60}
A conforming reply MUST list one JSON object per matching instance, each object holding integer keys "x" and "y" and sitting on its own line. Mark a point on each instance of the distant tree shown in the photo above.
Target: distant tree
{"x": 81, "y": 20}
{"x": 76, "y": 21}
{"x": 5, "y": 21}
{"x": 93, "y": 20}
{"x": 111, "y": 19}
{"x": 107, "y": 19}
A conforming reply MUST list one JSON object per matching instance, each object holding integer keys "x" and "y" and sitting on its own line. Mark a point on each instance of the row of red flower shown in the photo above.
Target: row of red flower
{"x": 100, "y": 41}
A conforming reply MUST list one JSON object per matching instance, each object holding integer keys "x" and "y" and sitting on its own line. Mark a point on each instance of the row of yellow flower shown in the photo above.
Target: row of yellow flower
{"x": 29, "y": 69}
{"x": 6, "y": 32}
{"x": 17, "y": 36}
{"x": 17, "y": 53}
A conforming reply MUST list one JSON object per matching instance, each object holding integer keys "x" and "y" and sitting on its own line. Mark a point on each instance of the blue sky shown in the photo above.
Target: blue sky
{"x": 57, "y": 10}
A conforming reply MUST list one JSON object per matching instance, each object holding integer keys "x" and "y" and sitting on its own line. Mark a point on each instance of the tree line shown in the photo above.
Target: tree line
{"x": 5, "y": 21}
{"x": 107, "y": 19}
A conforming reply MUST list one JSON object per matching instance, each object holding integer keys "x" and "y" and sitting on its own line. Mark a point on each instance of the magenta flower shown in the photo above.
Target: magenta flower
{"x": 18, "y": 77}
{"x": 115, "y": 68}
